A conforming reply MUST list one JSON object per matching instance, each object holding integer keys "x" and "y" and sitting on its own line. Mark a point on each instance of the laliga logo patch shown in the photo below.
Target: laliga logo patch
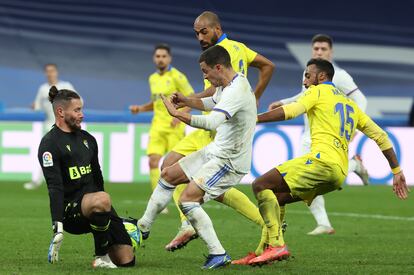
{"x": 47, "y": 159}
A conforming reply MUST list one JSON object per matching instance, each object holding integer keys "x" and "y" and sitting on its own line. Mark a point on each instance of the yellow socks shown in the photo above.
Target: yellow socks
{"x": 154, "y": 177}
{"x": 176, "y": 196}
{"x": 242, "y": 204}
{"x": 282, "y": 213}
{"x": 270, "y": 211}
{"x": 264, "y": 241}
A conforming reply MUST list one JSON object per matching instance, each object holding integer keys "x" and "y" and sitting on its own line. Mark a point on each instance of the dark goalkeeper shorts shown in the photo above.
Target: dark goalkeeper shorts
{"x": 75, "y": 223}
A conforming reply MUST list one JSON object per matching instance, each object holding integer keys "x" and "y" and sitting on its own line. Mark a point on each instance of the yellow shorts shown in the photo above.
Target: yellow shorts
{"x": 308, "y": 177}
{"x": 193, "y": 142}
{"x": 162, "y": 142}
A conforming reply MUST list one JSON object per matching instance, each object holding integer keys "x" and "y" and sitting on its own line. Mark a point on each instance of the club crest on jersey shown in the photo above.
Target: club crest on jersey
{"x": 47, "y": 159}
{"x": 68, "y": 147}
{"x": 86, "y": 143}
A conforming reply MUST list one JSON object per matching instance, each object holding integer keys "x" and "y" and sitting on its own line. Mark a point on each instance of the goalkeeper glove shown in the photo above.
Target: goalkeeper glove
{"x": 55, "y": 243}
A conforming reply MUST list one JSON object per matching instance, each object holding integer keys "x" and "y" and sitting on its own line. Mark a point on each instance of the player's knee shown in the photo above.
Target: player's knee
{"x": 169, "y": 160}
{"x": 102, "y": 202}
{"x": 167, "y": 175}
{"x": 257, "y": 186}
{"x": 153, "y": 161}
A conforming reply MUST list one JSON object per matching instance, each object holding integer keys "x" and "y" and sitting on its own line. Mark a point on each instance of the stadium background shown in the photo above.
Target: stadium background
{"x": 104, "y": 48}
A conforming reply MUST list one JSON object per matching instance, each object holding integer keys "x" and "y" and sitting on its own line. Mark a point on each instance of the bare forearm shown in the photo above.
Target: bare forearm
{"x": 183, "y": 116}
{"x": 147, "y": 107}
{"x": 206, "y": 93}
{"x": 277, "y": 114}
{"x": 391, "y": 157}
{"x": 194, "y": 103}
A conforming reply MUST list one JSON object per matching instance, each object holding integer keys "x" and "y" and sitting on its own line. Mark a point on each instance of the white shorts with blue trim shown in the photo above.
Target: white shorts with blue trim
{"x": 212, "y": 174}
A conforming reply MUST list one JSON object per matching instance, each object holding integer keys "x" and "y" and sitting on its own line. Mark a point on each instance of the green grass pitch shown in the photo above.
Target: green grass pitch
{"x": 375, "y": 235}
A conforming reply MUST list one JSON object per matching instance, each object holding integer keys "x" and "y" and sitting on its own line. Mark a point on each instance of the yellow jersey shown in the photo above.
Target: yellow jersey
{"x": 166, "y": 84}
{"x": 333, "y": 118}
{"x": 240, "y": 55}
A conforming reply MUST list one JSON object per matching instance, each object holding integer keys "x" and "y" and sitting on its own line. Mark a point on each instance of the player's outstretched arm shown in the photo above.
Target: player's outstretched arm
{"x": 284, "y": 112}
{"x": 147, "y": 107}
{"x": 206, "y": 93}
{"x": 179, "y": 100}
{"x": 374, "y": 132}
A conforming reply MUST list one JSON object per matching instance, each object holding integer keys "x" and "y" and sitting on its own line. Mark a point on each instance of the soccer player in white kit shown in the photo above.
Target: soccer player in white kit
{"x": 213, "y": 170}
{"x": 42, "y": 103}
{"x": 322, "y": 48}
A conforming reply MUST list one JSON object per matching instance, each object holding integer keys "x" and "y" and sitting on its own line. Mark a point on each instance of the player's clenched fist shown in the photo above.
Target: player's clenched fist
{"x": 134, "y": 109}
{"x": 53, "y": 255}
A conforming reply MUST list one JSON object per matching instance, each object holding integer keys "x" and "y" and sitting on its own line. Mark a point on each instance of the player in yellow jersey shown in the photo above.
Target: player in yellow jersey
{"x": 333, "y": 119}
{"x": 208, "y": 31}
{"x": 165, "y": 131}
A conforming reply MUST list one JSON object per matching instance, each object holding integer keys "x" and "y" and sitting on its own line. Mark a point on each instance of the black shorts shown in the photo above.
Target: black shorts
{"x": 75, "y": 223}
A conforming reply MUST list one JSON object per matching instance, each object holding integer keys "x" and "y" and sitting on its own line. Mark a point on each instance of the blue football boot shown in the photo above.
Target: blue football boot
{"x": 216, "y": 261}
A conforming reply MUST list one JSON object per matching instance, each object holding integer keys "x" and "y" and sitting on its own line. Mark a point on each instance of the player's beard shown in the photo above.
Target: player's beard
{"x": 212, "y": 42}
{"x": 161, "y": 67}
{"x": 71, "y": 123}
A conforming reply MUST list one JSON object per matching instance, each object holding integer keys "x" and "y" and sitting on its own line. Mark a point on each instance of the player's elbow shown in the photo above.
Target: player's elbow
{"x": 268, "y": 67}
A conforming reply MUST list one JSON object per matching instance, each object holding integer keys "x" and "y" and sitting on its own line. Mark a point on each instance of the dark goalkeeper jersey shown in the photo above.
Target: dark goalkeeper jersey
{"x": 70, "y": 166}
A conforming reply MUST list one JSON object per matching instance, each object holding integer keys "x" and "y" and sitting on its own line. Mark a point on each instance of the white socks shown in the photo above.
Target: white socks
{"x": 160, "y": 198}
{"x": 203, "y": 225}
{"x": 352, "y": 165}
{"x": 318, "y": 211}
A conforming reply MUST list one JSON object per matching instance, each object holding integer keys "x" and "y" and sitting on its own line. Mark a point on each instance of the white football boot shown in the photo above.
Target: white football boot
{"x": 103, "y": 262}
{"x": 322, "y": 229}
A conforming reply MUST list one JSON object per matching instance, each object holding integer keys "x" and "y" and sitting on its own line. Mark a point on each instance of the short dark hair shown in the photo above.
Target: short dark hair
{"x": 50, "y": 65}
{"x": 215, "y": 55}
{"x": 322, "y": 38}
{"x": 211, "y": 17}
{"x": 323, "y": 66}
{"x": 61, "y": 96}
{"x": 163, "y": 46}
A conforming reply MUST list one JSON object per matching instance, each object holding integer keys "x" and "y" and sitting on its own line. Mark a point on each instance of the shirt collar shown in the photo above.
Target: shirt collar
{"x": 221, "y": 38}
{"x": 168, "y": 69}
{"x": 329, "y": 83}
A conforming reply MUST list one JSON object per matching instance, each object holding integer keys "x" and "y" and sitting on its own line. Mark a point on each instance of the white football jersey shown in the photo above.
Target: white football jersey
{"x": 42, "y": 102}
{"x": 234, "y": 137}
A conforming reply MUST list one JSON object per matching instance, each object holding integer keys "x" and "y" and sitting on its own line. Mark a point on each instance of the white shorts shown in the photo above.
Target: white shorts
{"x": 212, "y": 174}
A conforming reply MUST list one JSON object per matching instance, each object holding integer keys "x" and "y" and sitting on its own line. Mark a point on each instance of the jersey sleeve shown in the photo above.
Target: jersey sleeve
{"x": 183, "y": 85}
{"x": 231, "y": 101}
{"x": 250, "y": 54}
{"x": 49, "y": 159}
{"x": 309, "y": 97}
{"x": 344, "y": 82}
{"x": 366, "y": 125}
{"x": 96, "y": 168}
